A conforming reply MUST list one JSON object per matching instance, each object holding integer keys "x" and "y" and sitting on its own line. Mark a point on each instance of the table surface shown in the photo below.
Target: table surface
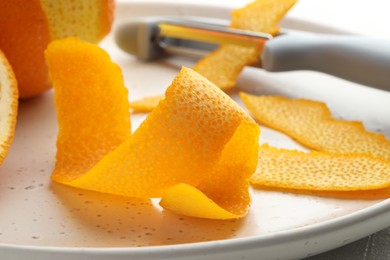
{"x": 373, "y": 247}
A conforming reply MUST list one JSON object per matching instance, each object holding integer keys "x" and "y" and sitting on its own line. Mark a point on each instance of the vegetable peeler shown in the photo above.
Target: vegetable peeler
{"x": 355, "y": 58}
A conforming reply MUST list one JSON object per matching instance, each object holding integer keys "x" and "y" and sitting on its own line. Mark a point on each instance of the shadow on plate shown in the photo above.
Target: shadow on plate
{"x": 114, "y": 221}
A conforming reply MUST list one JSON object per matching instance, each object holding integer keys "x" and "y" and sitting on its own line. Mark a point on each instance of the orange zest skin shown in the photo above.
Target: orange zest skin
{"x": 24, "y": 35}
{"x": 90, "y": 20}
{"x": 92, "y": 106}
{"x": 226, "y": 186}
{"x": 311, "y": 123}
{"x": 181, "y": 141}
{"x": 320, "y": 171}
{"x": 190, "y": 201}
{"x": 8, "y": 105}
{"x": 190, "y": 139}
{"x": 146, "y": 104}
{"x": 350, "y": 162}
{"x": 27, "y": 27}
{"x": 351, "y": 195}
{"x": 223, "y": 65}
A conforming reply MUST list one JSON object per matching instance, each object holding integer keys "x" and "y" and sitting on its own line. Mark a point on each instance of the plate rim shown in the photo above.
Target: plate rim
{"x": 381, "y": 208}
{"x": 328, "y": 226}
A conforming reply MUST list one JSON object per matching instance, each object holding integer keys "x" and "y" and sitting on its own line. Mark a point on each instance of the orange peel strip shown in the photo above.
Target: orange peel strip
{"x": 187, "y": 200}
{"x": 8, "y": 105}
{"x": 223, "y": 65}
{"x": 191, "y": 138}
{"x": 351, "y": 195}
{"x": 320, "y": 171}
{"x": 226, "y": 187}
{"x": 183, "y": 140}
{"x": 146, "y": 104}
{"x": 92, "y": 106}
{"x": 311, "y": 123}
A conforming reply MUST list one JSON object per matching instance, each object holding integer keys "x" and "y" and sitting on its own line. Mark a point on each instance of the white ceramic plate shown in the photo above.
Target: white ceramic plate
{"x": 44, "y": 220}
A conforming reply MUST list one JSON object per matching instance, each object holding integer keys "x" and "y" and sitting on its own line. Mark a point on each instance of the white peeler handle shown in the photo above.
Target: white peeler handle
{"x": 358, "y": 59}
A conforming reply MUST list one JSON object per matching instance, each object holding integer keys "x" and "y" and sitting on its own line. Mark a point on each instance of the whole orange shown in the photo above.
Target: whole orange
{"x": 27, "y": 27}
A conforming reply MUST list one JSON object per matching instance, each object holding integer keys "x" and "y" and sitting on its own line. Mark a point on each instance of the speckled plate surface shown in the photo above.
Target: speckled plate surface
{"x": 44, "y": 220}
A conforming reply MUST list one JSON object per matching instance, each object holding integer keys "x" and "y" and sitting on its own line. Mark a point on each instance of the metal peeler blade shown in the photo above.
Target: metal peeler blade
{"x": 156, "y": 37}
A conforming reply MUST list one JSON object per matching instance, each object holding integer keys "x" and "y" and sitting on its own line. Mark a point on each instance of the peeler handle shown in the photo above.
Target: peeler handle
{"x": 354, "y": 58}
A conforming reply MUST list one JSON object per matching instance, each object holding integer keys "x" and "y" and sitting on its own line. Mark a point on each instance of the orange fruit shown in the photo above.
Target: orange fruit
{"x": 8, "y": 105}
{"x": 24, "y": 35}
{"x": 26, "y": 28}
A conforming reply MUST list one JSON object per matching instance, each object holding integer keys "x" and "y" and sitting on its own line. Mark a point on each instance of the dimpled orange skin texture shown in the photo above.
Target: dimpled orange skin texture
{"x": 226, "y": 186}
{"x": 90, "y": 20}
{"x": 183, "y": 140}
{"x": 24, "y": 35}
{"x": 320, "y": 171}
{"x": 352, "y": 195}
{"x": 8, "y": 105}
{"x": 188, "y": 140}
{"x": 92, "y": 106}
{"x": 223, "y": 65}
{"x": 26, "y": 28}
{"x": 311, "y": 123}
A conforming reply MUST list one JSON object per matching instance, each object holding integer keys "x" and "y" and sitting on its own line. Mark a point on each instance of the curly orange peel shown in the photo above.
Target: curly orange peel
{"x": 350, "y": 161}
{"x": 226, "y": 187}
{"x": 190, "y": 201}
{"x": 311, "y": 123}
{"x": 186, "y": 146}
{"x": 145, "y": 104}
{"x": 92, "y": 106}
{"x": 223, "y": 65}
